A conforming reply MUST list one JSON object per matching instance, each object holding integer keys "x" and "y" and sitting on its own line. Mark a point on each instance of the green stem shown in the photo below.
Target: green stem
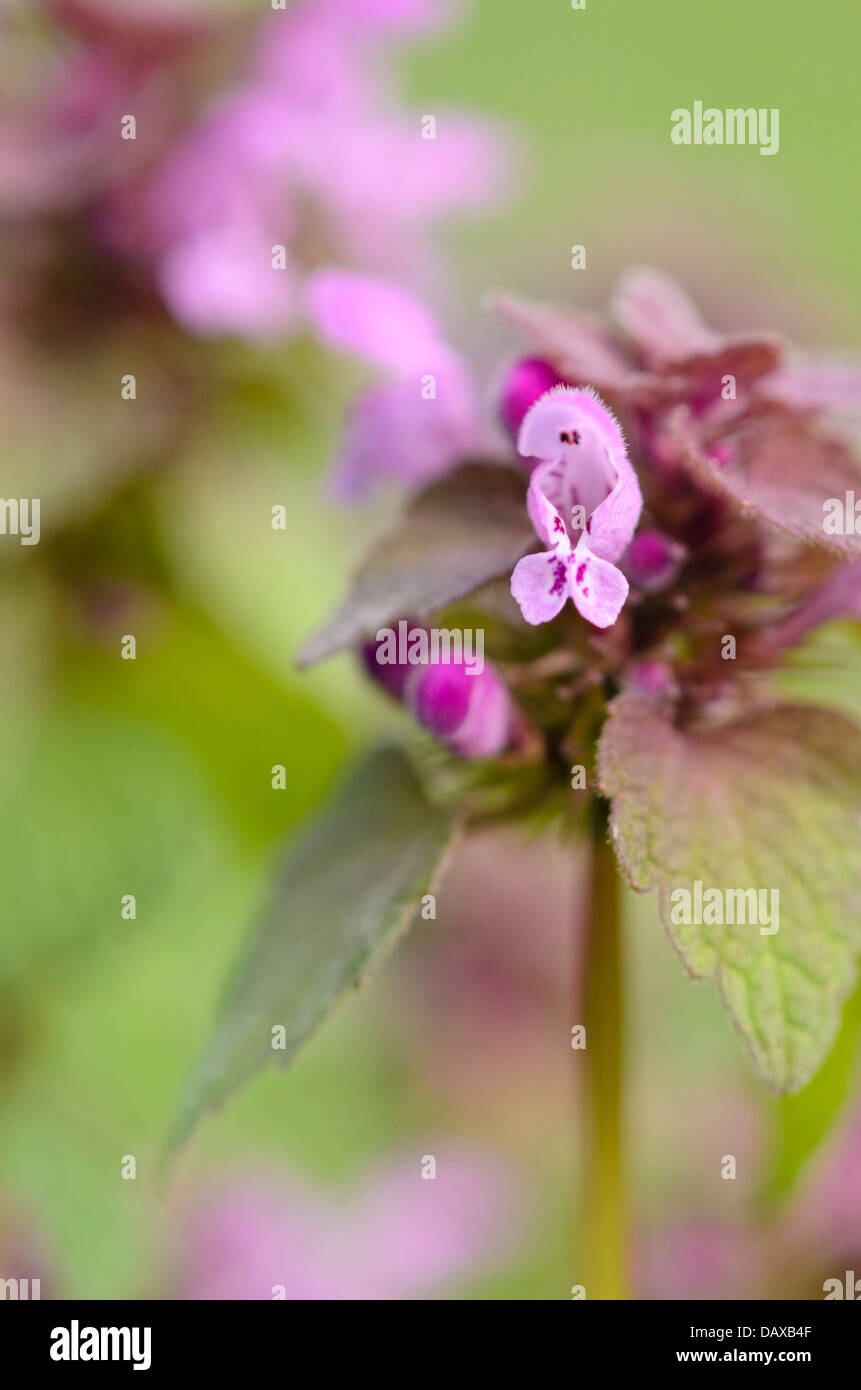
{"x": 603, "y": 1202}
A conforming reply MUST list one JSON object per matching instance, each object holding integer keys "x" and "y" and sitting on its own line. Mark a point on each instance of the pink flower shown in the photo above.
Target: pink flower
{"x": 399, "y": 1236}
{"x": 425, "y": 416}
{"x": 584, "y": 502}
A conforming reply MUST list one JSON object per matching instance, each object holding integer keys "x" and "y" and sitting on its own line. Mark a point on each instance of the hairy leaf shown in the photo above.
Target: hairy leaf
{"x": 771, "y": 802}
{"x": 455, "y": 536}
{"x": 784, "y": 471}
{"x": 349, "y": 887}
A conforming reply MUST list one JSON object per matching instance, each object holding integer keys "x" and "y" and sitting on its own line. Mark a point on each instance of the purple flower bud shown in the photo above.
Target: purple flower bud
{"x": 526, "y": 381}
{"x": 653, "y": 560}
{"x": 466, "y": 705}
{"x": 473, "y": 714}
{"x": 440, "y": 697}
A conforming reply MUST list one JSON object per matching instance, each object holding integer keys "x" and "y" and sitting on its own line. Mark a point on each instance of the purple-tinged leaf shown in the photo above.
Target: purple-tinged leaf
{"x": 772, "y": 802}
{"x": 577, "y": 344}
{"x": 782, "y": 470}
{"x": 668, "y": 331}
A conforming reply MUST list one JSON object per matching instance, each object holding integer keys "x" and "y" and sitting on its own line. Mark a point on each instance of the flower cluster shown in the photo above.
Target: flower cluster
{"x": 676, "y": 481}
{"x": 131, "y": 168}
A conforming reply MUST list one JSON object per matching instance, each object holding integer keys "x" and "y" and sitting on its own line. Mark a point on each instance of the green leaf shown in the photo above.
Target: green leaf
{"x": 802, "y": 1121}
{"x": 350, "y": 886}
{"x": 770, "y": 802}
{"x": 455, "y": 536}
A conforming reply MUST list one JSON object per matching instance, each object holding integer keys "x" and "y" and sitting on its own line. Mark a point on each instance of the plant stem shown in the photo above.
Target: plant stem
{"x": 603, "y": 1203}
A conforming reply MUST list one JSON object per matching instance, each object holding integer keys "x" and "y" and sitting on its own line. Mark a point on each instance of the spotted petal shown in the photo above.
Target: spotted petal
{"x": 598, "y": 589}
{"x": 539, "y": 585}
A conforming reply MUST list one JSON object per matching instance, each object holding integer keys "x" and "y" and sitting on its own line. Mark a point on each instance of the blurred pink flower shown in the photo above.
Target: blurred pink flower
{"x": 426, "y": 414}
{"x": 60, "y": 145}
{"x": 401, "y": 1236}
{"x": 308, "y": 150}
{"x": 311, "y": 153}
{"x": 827, "y": 1215}
{"x": 699, "y": 1259}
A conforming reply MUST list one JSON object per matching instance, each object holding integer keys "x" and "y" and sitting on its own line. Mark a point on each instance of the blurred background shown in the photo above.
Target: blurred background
{"x": 152, "y": 777}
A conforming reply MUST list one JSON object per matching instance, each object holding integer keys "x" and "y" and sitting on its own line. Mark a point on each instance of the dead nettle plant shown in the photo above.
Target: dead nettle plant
{"x": 642, "y": 558}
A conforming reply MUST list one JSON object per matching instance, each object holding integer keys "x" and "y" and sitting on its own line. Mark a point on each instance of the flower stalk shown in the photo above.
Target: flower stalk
{"x": 603, "y": 1202}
